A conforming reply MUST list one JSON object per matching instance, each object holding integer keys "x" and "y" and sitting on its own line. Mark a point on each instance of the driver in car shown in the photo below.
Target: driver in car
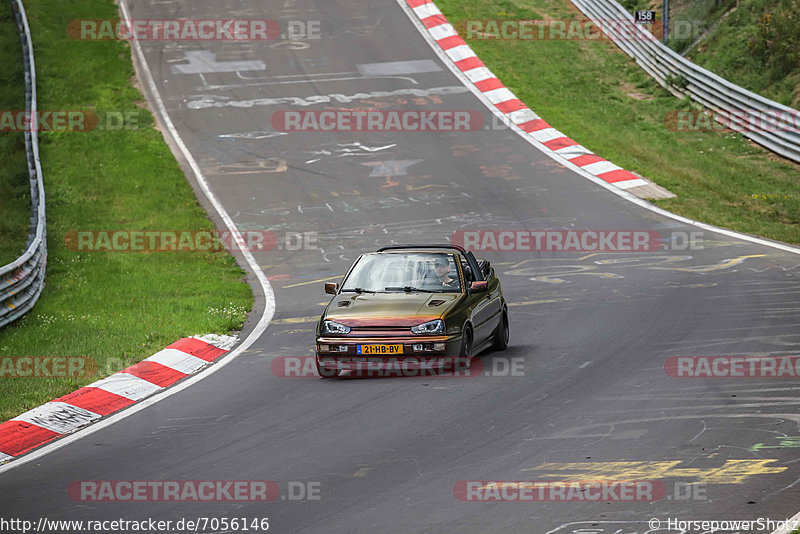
{"x": 441, "y": 267}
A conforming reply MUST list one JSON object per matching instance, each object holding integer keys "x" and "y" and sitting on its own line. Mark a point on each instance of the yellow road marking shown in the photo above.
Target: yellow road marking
{"x": 311, "y": 282}
{"x": 523, "y": 262}
{"x": 706, "y": 268}
{"x": 296, "y": 320}
{"x": 731, "y": 472}
{"x": 415, "y": 188}
{"x": 529, "y": 302}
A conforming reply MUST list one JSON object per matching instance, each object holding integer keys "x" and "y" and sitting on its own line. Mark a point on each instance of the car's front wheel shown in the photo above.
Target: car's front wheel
{"x": 466, "y": 345}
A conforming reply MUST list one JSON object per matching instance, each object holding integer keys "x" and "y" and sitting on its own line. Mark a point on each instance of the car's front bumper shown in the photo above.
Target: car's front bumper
{"x": 448, "y": 356}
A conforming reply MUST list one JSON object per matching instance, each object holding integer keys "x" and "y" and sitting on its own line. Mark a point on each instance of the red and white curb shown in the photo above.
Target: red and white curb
{"x": 518, "y": 113}
{"x": 72, "y": 412}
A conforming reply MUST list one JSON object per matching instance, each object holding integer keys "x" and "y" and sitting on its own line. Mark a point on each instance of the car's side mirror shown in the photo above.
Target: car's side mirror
{"x": 331, "y": 287}
{"x": 479, "y": 287}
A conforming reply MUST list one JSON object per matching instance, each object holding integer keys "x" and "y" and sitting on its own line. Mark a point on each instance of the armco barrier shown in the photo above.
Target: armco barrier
{"x": 779, "y": 132}
{"x": 22, "y": 280}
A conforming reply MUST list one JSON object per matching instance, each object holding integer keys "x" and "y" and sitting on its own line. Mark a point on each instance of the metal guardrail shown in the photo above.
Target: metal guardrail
{"x": 733, "y": 105}
{"x": 22, "y": 280}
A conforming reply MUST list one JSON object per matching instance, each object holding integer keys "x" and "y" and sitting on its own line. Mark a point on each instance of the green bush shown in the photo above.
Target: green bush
{"x": 777, "y": 43}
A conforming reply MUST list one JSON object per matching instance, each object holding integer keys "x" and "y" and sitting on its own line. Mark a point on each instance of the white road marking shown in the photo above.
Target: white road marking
{"x": 395, "y": 167}
{"x": 204, "y": 61}
{"x": 397, "y": 68}
{"x": 252, "y": 135}
{"x": 215, "y": 101}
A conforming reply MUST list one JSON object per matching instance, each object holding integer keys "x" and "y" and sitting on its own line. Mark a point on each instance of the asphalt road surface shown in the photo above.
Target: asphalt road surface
{"x": 588, "y": 398}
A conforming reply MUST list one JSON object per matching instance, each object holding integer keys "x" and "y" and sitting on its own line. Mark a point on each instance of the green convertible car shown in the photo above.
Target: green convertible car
{"x": 414, "y": 306}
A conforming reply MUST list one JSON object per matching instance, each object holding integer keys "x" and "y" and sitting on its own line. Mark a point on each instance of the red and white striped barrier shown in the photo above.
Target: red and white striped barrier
{"x": 514, "y": 109}
{"x": 71, "y": 412}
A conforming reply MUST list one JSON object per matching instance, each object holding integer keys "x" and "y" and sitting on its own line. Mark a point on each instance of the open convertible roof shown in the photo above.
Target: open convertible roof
{"x": 448, "y": 245}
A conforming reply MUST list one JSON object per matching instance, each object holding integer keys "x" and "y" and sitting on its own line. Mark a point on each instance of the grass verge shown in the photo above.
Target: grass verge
{"x": 594, "y": 93}
{"x": 113, "y": 307}
{"x": 15, "y": 197}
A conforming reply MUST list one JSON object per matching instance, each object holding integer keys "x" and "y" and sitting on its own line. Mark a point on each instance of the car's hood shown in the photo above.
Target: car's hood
{"x": 381, "y": 309}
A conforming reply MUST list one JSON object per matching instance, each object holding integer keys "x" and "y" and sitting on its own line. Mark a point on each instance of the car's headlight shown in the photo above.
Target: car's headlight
{"x": 331, "y": 327}
{"x": 431, "y": 327}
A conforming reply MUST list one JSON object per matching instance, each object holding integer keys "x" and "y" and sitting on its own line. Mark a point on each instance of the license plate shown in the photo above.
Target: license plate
{"x": 380, "y": 349}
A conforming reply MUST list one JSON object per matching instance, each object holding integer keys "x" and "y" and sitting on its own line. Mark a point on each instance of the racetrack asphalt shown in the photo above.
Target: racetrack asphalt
{"x": 590, "y": 332}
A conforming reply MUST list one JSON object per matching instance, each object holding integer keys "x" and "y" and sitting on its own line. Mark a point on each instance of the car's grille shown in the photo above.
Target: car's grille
{"x": 380, "y": 331}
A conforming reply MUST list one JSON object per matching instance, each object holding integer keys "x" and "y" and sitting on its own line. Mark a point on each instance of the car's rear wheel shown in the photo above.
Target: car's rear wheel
{"x": 502, "y": 333}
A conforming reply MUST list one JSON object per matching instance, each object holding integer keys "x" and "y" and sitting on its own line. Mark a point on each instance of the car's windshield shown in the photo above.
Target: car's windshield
{"x": 411, "y": 271}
